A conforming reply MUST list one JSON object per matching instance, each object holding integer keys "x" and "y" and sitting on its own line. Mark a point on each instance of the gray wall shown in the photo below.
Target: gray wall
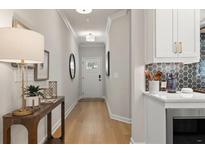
{"x": 137, "y": 75}
{"x": 60, "y": 42}
{"x": 118, "y": 83}
{"x": 97, "y": 50}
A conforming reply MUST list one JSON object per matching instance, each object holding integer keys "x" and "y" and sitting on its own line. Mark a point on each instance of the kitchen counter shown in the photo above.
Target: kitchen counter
{"x": 179, "y": 100}
{"x": 156, "y": 107}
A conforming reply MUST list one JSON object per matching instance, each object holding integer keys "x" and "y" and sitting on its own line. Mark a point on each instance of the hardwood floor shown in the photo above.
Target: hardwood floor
{"x": 89, "y": 123}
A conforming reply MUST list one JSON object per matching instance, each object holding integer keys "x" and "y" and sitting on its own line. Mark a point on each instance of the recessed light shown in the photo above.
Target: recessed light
{"x": 90, "y": 38}
{"x": 84, "y": 11}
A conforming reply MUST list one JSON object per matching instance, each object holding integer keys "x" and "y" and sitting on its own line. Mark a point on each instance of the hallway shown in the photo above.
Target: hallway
{"x": 89, "y": 123}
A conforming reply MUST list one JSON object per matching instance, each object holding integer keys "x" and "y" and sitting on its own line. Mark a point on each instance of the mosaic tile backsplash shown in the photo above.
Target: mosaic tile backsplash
{"x": 188, "y": 74}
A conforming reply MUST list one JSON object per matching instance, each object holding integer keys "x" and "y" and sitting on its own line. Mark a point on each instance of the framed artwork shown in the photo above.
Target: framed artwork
{"x": 72, "y": 66}
{"x": 41, "y": 71}
{"x": 107, "y": 63}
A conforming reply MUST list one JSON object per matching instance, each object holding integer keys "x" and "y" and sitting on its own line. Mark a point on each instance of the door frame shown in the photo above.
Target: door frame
{"x": 83, "y": 73}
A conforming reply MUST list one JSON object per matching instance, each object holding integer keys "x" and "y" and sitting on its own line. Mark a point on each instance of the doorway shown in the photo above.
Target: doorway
{"x": 92, "y": 77}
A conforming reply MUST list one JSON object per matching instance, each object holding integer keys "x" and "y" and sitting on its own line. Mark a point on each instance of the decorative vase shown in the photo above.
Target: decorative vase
{"x": 153, "y": 86}
{"x": 32, "y": 101}
{"x": 53, "y": 88}
{"x": 47, "y": 93}
{"x": 171, "y": 85}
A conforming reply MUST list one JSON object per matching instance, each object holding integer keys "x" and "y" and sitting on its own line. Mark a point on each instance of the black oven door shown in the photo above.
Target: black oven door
{"x": 185, "y": 126}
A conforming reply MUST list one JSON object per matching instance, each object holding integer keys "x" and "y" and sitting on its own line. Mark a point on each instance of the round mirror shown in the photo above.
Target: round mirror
{"x": 107, "y": 63}
{"x": 72, "y": 66}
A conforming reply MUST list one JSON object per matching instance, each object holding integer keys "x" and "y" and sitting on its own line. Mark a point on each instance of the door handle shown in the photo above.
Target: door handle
{"x": 99, "y": 77}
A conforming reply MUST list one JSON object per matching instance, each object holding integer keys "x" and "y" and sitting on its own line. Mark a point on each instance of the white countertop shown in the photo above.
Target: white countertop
{"x": 178, "y": 97}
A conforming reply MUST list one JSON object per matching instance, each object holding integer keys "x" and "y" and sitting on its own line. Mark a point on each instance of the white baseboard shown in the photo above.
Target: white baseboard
{"x": 116, "y": 117}
{"x": 58, "y": 123}
{"x": 80, "y": 97}
{"x": 133, "y": 142}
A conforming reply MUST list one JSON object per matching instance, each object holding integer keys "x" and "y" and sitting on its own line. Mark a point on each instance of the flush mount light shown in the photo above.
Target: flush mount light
{"x": 84, "y": 11}
{"x": 90, "y": 37}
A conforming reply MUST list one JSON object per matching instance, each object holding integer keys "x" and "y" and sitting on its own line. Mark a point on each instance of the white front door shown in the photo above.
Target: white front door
{"x": 92, "y": 77}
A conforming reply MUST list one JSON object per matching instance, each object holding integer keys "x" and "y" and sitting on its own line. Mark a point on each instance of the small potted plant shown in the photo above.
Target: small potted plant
{"x": 32, "y": 95}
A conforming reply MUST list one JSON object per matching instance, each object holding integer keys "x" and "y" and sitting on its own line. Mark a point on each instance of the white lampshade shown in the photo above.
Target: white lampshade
{"x": 20, "y": 44}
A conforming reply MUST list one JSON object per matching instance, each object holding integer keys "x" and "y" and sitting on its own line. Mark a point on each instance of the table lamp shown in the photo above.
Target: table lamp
{"x": 23, "y": 47}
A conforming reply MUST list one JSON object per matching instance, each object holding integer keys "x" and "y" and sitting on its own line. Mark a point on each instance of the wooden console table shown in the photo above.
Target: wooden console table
{"x": 31, "y": 123}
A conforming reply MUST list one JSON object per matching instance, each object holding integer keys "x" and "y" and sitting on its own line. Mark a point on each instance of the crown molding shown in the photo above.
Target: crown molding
{"x": 118, "y": 14}
{"x": 108, "y": 25}
{"x": 19, "y": 18}
{"x": 67, "y": 23}
{"x": 114, "y": 16}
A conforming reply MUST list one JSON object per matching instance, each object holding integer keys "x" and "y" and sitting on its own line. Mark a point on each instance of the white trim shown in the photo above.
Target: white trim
{"x": 81, "y": 97}
{"x": 108, "y": 25}
{"x": 117, "y": 117}
{"x": 67, "y": 23}
{"x": 119, "y": 14}
{"x": 114, "y": 16}
{"x": 132, "y": 140}
{"x": 25, "y": 22}
{"x": 58, "y": 123}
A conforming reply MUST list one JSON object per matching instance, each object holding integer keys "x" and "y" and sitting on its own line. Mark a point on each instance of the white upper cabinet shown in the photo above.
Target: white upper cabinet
{"x": 189, "y": 32}
{"x": 164, "y": 34}
{"x": 172, "y": 36}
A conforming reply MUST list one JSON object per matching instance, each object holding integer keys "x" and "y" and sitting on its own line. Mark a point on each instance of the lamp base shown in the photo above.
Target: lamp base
{"x": 23, "y": 112}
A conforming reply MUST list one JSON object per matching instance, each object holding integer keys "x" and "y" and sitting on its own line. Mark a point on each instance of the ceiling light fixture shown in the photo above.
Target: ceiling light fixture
{"x": 84, "y": 11}
{"x": 90, "y": 37}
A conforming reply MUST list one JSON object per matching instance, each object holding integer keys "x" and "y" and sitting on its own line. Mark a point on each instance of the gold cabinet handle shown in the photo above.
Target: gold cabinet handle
{"x": 180, "y": 47}
{"x": 176, "y": 44}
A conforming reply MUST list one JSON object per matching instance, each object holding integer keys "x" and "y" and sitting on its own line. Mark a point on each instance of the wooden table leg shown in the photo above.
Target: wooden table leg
{"x": 49, "y": 126}
{"x": 62, "y": 120}
{"x": 6, "y": 133}
{"x": 32, "y": 134}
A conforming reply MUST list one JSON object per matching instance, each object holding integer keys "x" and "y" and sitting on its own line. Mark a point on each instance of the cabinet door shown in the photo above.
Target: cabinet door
{"x": 164, "y": 34}
{"x": 188, "y": 32}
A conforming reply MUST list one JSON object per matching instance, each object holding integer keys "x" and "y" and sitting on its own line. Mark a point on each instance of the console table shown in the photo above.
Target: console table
{"x": 31, "y": 123}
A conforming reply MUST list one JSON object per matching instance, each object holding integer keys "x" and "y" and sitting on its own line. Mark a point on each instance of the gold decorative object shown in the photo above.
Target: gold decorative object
{"x": 53, "y": 88}
{"x": 23, "y": 112}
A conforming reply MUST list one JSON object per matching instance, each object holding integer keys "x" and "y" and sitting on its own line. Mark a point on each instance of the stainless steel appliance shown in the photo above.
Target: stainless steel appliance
{"x": 185, "y": 126}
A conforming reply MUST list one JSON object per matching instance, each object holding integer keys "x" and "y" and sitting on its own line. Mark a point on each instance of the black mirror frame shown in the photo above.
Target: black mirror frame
{"x": 70, "y": 58}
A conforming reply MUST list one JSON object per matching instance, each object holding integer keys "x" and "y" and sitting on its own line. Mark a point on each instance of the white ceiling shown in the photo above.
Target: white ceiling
{"x": 94, "y": 23}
